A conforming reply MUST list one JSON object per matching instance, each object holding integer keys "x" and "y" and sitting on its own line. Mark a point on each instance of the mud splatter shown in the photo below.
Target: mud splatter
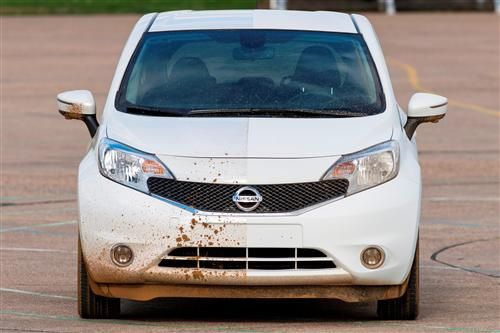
{"x": 198, "y": 275}
{"x": 75, "y": 108}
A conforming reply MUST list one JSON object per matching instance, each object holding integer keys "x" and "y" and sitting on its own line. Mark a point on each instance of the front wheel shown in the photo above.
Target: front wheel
{"x": 406, "y": 306}
{"x": 90, "y": 305}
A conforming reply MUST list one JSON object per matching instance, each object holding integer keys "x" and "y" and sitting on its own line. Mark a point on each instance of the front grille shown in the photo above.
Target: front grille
{"x": 240, "y": 258}
{"x": 278, "y": 198}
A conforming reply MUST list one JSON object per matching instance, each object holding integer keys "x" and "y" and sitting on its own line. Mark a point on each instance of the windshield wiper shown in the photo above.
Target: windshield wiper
{"x": 164, "y": 112}
{"x": 284, "y": 112}
{"x": 152, "y": 111}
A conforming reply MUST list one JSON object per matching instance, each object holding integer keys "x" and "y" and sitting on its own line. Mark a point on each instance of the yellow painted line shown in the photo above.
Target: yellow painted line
{"x": 412, "y": 74}
{"x": 475, "y": 107}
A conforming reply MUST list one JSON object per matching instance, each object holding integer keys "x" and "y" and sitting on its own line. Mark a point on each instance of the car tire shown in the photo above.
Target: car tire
{"x": 406, "y": 306}
{"x": 90, "y": 305}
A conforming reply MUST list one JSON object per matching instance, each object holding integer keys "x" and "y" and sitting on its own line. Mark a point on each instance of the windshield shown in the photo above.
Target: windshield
{"x": 251, "y": 72}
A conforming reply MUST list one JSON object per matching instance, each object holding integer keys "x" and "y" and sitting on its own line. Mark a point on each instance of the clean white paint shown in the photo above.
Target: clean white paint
{"x": 471, "y": 199}
{"x": 427, "y": 105}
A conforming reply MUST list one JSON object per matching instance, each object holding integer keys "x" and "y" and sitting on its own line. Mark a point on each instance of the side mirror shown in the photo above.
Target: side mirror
{"x": 424, "y": 108}
{"x": 79, "y": 104}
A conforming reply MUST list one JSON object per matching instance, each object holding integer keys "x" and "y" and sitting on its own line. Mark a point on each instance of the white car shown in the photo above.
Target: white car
{"x": 250, "y": 153}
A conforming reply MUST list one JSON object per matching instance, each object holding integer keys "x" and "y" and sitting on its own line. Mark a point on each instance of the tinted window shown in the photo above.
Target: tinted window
{"x": 252, "y": 69}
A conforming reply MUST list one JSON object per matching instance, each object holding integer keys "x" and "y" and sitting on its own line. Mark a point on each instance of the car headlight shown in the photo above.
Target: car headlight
{"x": 367, "y": 168}
{"x": 129, "y": 166}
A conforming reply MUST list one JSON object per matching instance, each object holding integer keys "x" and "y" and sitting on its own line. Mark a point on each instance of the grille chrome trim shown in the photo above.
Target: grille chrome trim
{"x": 204, "y": 213}
{"x": 249, "y": 258}
{"x": 220, "y": 258}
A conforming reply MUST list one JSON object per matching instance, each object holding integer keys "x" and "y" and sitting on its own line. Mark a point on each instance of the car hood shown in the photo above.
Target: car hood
{"x": 214, "y": 137}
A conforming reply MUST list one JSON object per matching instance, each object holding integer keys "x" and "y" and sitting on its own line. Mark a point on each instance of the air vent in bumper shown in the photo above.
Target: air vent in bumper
{"x": 233, "y": 258}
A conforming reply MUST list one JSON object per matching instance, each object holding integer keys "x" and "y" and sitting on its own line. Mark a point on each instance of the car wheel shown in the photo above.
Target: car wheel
{"x": 90, "y": 305}
{"x": 406, "y": 306}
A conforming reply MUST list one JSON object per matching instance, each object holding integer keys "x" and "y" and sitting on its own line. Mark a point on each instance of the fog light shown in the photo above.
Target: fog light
{"x": 122, "y": 255}
{"x": 372, "y": 257}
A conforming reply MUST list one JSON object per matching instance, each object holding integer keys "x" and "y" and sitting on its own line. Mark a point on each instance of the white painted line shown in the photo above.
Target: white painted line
{"x": 26, "y": 249}
{"x": 41, "y": 210}
{"x": 34, "y": 293}
{"x": 54, "y": 224}
{"x": 29, "y": 199}
{"x": 471, "y": 199}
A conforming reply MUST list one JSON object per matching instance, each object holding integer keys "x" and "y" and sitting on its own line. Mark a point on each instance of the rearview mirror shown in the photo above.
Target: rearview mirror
{"x": 424, "y": 108}
{"x": 79, "y": 104}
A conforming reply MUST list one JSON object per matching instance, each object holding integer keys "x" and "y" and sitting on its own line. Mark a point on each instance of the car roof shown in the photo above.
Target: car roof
{"x": 253, "y": 19}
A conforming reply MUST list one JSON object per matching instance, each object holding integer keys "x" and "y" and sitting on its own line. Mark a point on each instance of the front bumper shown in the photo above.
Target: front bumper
{"x": 146, "y": 292}
{"x": 386, "y": 216}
